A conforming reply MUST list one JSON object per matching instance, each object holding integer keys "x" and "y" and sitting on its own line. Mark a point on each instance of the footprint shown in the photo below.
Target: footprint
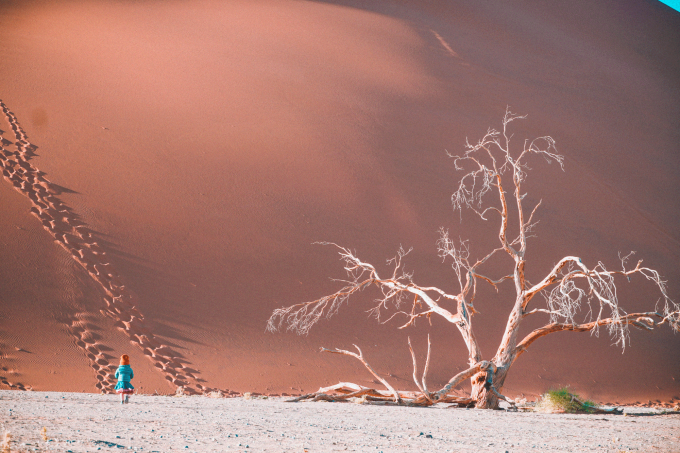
{"x": 102, "y": 361}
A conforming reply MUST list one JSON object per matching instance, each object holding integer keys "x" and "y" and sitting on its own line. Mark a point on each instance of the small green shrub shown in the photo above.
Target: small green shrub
{"x": 562, "y": 400}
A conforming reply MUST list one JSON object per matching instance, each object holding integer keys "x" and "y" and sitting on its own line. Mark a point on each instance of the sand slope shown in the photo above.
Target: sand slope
{"x": 204, "y": 146}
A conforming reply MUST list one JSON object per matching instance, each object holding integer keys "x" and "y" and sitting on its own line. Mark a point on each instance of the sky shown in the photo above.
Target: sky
{"x": 675, "y": 4}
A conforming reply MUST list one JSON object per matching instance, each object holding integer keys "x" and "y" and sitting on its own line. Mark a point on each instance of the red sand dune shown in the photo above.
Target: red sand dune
{"x": 201, "y": 147}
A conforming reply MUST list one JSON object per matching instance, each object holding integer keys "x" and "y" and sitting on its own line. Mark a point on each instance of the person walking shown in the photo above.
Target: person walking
{"x": 124, "y": 374}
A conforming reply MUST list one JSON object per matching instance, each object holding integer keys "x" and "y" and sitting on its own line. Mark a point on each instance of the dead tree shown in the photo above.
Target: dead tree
{"x": 570, "y": 288}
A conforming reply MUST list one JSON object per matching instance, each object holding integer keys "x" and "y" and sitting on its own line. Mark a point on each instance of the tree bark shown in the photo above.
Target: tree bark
{"x": 482, "y": 393}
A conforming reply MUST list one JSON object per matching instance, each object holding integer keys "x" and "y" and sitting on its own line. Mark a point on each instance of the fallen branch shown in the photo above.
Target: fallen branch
{"x": 346, "y": 391}
{"x": 360, "y": 357}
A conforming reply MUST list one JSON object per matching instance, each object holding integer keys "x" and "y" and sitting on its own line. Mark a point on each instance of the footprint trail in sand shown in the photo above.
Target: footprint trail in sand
{"x": 5, "y": 370}
{"x": 79, "y": 241}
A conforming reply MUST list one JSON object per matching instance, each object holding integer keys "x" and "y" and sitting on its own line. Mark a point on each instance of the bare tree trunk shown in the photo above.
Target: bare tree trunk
{"x": 482, "y": 391}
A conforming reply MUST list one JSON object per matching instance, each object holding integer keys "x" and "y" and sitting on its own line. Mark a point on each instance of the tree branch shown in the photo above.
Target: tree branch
{"x": 566, "y": 298}
{"x": 642, "y": 320}
{"x": 360, "y": 357}
{"x": 460, "y": 377}
{"x": 427, "y": 366}
{"x": 301, "y": 317}
{"x": 423, "y": 387}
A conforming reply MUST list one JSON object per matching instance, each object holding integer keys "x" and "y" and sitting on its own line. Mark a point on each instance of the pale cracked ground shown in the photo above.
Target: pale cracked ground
{"x": 77, "y": 422}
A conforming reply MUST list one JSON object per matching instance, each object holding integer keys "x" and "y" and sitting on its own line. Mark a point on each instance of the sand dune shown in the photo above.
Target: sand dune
{"x": 168, "y": 165}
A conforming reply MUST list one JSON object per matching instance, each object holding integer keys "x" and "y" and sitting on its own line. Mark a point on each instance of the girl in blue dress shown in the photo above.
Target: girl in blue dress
{"x": 124, "y": 374}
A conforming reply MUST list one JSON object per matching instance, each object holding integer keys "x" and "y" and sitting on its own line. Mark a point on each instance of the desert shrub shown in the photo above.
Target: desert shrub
{"x": 562, "y": 400}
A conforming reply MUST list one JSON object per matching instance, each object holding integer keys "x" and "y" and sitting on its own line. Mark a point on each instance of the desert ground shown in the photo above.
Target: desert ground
{"x": 168, "y": 165}
{"x": 77, "y": 422}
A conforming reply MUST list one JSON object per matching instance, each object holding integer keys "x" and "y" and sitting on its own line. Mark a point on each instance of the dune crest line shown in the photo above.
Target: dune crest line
{"x": 78, "y": 240}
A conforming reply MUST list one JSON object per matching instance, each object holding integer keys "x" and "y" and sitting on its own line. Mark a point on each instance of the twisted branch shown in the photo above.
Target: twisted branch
{"x": 360, "y": 357}
{"x": 566, "y": 299}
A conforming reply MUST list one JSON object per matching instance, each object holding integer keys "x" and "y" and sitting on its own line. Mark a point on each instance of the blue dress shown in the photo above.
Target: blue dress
{"x": 124, "y": 373}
